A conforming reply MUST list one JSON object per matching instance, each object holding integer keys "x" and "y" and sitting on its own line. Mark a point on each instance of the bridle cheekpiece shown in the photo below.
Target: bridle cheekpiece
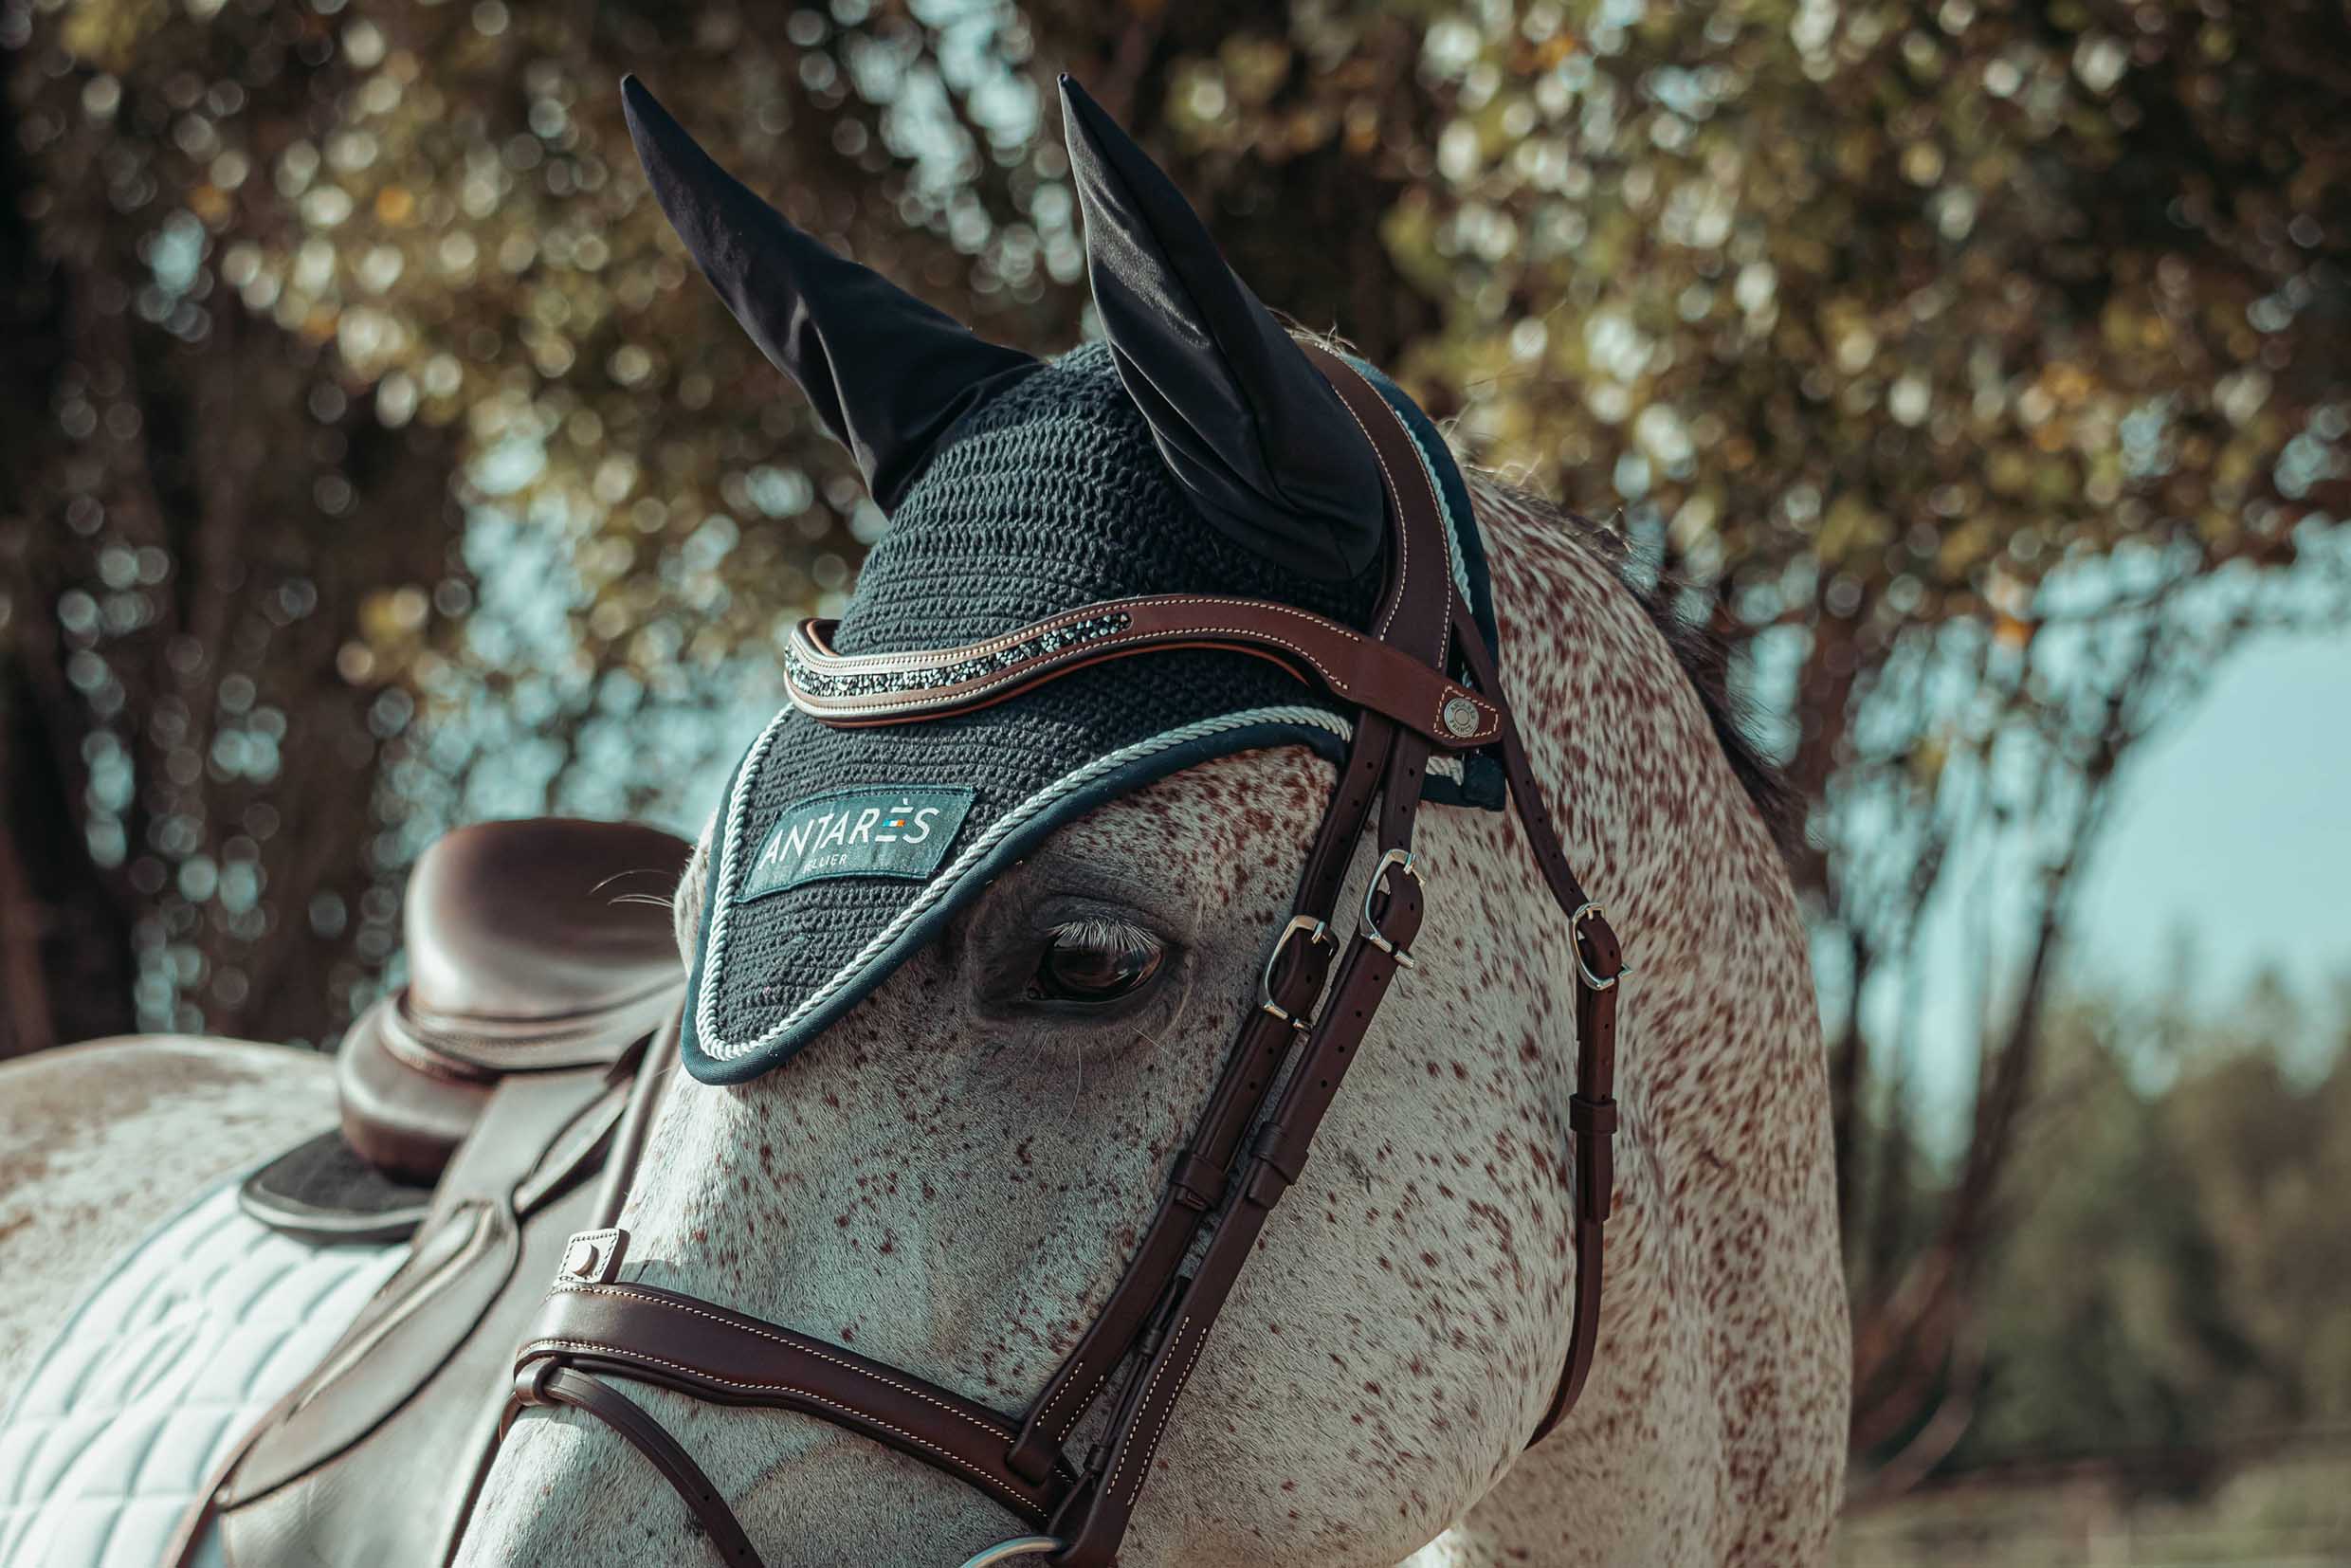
{"x": 1251, "y": 1143}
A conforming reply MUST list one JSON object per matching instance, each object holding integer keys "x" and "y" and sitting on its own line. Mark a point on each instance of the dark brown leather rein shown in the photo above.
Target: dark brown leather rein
{"x": 594, "y": 1325}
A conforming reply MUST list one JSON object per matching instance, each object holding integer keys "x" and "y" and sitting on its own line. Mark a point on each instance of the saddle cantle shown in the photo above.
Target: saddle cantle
{"x": 534, "y": 946}
{"x": 479, "y": 1103}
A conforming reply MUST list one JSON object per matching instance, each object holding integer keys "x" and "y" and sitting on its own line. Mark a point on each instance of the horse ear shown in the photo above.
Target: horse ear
{"x": 888, "y": 375}
{"x": 1252, "y": 429}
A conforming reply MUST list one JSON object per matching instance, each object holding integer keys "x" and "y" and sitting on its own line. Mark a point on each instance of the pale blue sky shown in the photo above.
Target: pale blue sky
{"x": 2231, "y": 827}
{"x": 2235, "y": 826}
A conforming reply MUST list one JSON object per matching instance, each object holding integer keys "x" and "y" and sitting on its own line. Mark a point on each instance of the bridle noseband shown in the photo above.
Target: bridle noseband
{"x": 1244, "y": 1153}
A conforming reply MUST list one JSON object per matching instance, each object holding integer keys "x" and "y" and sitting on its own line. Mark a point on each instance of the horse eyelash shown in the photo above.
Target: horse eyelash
{"x": 1122, "y": 939}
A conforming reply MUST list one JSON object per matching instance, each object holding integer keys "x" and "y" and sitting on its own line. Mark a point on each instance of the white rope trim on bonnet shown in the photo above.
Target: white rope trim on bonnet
{"x": 706, "y": 1001}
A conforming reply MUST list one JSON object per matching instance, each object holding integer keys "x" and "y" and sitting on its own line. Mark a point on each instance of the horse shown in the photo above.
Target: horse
{"x": 950, "y": 1176}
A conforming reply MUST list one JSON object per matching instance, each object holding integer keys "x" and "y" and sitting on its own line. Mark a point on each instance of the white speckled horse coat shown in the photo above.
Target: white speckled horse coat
{"x": 948, "y": 1178}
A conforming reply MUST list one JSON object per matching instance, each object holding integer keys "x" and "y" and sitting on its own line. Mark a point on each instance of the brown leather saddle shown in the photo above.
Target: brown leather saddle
{"x": 479, "y": 1102}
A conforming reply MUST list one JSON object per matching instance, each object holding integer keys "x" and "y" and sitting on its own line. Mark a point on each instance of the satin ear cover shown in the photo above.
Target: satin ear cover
{"x": 1254, "y": 434}
{"x": 889, "y": 376}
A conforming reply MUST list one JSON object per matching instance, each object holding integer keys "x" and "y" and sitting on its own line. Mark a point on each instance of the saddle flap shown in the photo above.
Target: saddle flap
{"x": 539, "y": 1138}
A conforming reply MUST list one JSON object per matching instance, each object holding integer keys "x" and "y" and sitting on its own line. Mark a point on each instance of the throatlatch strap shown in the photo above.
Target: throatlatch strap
{"x": 549, "y": 1383}
{"x": 1592, "y": 1110}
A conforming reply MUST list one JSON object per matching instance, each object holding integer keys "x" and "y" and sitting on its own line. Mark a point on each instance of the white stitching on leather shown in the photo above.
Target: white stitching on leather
{"x": 1404, "y": 536}
{"x": 830, "y": 661}
{"x": 1156, "y": 1373}
{"x": 1077, "y": 1412}
{"x": 850, "y": 1367}
{"x": 824, "y": 708}
{"x": 853, "y": 663}
{"x": 1020, "y": 672}
{"x": 1152, "y": 1447}
{"x": 1150, "y": 1444}
{"x": 596, "y": 1347}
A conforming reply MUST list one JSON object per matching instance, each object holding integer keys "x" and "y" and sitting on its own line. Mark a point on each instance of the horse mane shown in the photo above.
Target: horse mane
{"x": 1703, "y": 653}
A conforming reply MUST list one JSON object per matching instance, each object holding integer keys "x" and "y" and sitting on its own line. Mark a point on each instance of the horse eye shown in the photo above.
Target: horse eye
{"x": 1094, "y": 962}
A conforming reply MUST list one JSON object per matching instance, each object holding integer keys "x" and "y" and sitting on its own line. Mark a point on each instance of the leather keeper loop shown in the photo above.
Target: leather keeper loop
{"x": 530, "y": 1384}
{"x": 1271, "y": 1145}
{"x": 1196, "y": 1183}
{"x": 1595, "y": 1124}
{"x": 1588, "y": 1116}
{"x": 1273, "y": 1169}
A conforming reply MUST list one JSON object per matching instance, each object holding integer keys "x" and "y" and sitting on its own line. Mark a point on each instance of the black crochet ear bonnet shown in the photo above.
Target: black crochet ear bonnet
{"x": 1197, "y": 450}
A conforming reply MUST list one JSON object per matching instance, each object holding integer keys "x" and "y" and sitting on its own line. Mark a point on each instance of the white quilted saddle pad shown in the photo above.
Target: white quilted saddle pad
{"x": 174, "y": 1357}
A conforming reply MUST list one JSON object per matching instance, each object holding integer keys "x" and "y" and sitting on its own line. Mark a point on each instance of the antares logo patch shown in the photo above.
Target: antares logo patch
{"x": 862, "y": 832}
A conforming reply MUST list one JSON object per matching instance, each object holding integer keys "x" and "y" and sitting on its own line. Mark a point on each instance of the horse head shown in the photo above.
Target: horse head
{"x": 963, "y": 986}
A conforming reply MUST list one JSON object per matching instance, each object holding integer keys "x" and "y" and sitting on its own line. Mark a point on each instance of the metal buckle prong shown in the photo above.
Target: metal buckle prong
{"x": 1402, "y": 860}
{"x": 1317, "y": 931}
{"x": 1574, "y": 927}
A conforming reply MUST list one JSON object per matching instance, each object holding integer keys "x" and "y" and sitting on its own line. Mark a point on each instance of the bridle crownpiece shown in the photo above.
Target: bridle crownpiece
{"x": 1279, "y": 470}
{"x": 1252, "y": 1142}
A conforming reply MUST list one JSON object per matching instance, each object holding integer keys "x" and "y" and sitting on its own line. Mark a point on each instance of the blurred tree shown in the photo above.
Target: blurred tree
{"x": 1976, "y": 365}
{"x": 2169, "y": 1278}
{"x": 359, "y": 374}
{"x": 195, "y": 518}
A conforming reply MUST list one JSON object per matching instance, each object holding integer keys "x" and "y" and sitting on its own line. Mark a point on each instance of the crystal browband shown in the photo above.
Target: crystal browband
{"x": 874, "y": 683}
{"x": 851, "y": 690}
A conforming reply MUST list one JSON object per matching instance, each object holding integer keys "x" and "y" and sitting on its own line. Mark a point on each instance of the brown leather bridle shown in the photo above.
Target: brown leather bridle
{"x": 595, "y": 1326}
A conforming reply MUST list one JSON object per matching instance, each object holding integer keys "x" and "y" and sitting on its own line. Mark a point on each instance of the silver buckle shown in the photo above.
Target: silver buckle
{"x": 1575, "y": 924}
{"x": 1004, "y": 1551}
{"x": 1317, "y": 931}
{"x": 1401, "y": 858}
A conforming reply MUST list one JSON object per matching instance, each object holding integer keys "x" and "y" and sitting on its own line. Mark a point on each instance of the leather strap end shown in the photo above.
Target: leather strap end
{"x": 1264, "y": 1184}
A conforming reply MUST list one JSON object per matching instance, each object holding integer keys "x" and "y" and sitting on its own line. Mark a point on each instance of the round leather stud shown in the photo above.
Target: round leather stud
{"x": 1460, "y": 715}
{"x": 582, "y": 1258}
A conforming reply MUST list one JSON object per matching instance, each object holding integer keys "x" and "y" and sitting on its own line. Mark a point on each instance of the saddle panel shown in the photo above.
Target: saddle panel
{"x": 405, "y": 1405}
{"x": 191, "y": 1338}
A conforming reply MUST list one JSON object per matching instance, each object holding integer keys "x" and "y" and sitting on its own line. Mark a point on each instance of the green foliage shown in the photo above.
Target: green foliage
{"x": 2171, "y": 1276}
